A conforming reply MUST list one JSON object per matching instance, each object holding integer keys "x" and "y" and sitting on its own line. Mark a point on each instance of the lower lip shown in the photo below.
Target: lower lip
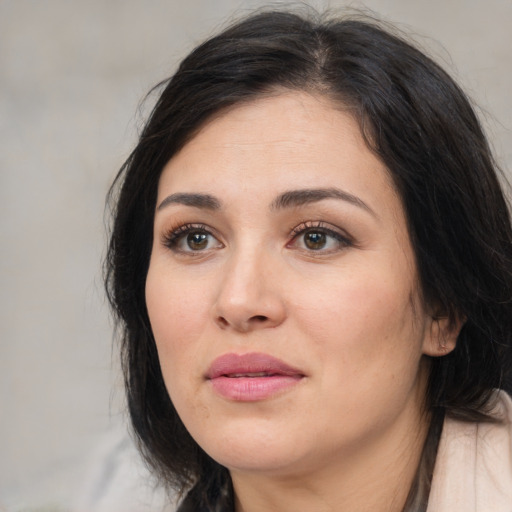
{"x": 252, "y": 389}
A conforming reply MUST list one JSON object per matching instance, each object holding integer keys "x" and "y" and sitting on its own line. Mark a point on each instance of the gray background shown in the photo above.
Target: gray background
{"x": 72, "y": 74}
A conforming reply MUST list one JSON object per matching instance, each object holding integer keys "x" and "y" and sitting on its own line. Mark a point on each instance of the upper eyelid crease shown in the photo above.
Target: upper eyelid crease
{"x": 320, "y": 226}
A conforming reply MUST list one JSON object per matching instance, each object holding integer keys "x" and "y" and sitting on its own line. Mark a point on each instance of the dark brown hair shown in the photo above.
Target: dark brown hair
{"x": 417, "y": 121}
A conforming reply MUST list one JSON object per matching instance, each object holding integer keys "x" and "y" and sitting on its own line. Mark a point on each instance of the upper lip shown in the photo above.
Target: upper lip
{"x": 251, "y": 363}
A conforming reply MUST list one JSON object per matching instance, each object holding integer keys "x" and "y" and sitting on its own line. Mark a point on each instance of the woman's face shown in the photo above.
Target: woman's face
{"x": 283, "y": 292}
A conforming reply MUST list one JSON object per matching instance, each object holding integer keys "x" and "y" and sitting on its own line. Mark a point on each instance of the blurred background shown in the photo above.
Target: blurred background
{"x": 72, "y": 74}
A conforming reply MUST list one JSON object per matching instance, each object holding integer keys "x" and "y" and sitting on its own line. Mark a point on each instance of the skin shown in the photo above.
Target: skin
{"x": 348, "y": 314}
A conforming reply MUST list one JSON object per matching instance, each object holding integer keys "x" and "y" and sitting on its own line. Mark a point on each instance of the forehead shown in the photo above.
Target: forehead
{"x": 292, "y": 138}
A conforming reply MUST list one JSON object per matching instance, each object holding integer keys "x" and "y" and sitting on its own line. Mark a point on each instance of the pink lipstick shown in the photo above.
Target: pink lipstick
{"x": 251, "y": 377}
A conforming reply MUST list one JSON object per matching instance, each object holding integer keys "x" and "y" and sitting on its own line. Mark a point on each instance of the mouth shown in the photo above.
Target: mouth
{"x": 253, "y": 374}
{"x": 251, "y": 377}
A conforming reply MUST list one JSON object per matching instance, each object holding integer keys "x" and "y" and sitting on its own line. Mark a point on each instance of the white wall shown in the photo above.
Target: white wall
{"x": 71, "y": 76}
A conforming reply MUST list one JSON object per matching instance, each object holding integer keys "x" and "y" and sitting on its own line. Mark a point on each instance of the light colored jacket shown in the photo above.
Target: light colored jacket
{"x": 473, "y": 470}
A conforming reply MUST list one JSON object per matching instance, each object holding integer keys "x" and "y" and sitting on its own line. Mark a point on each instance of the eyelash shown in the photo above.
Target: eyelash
{"x": 174, "y": 236}
{"x": 343, "y": 239}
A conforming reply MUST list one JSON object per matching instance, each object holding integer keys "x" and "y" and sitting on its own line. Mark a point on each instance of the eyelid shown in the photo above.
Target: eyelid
{"x": 172, "y": 236}
{"x": 340, "y": 235}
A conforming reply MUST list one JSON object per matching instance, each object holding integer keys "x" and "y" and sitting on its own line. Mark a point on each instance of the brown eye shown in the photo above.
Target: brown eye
{"x": 190, "y": 239}
{"x": 315, "y": 240}
{"x": 197, "y": 241}
{"x": 318, "y": 237}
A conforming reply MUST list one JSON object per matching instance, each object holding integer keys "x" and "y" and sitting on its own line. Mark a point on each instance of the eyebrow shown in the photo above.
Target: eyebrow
{"x": 196, "y": 200}
{"x": 301, "y": 197}
{"x": 289, "y": 199}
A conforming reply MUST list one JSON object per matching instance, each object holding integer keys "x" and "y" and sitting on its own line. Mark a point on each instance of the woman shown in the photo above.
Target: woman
{"x": 311, "y": 266}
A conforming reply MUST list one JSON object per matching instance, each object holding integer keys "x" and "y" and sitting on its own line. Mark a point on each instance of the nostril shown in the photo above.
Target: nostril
{"x": 222, "y": 321}
{"x": 259, "y": 318}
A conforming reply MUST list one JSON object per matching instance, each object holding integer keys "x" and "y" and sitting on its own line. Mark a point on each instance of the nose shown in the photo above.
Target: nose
{"x": 249, "y": 296}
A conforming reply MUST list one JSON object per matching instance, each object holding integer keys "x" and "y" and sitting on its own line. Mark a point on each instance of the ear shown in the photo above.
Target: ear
{"x": 442, "y": 336}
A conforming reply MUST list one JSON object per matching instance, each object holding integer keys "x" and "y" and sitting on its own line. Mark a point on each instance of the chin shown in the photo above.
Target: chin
{"x": 252, "y": 446}
{"x": 267, "y": 461}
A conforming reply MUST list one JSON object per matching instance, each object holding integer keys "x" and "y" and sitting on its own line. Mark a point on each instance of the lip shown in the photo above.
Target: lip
{"x": 251, "y": 377}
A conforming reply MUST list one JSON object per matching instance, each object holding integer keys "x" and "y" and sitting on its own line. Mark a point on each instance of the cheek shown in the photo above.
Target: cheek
{"x": 177, "y": 312}
{"x": 354, "y": 304}
{"x": 364, "y": 323}
{"x": 369, "y": 342}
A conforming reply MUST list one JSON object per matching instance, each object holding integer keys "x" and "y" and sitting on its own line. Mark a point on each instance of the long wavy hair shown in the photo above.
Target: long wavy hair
{"x": 416, "y": 119}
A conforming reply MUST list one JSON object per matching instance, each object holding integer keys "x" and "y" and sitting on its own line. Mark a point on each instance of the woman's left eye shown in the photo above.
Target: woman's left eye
{"x": 318, "y": 238}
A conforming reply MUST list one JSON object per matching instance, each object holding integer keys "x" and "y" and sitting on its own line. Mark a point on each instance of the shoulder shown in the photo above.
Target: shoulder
{"x": 473, "y": 470}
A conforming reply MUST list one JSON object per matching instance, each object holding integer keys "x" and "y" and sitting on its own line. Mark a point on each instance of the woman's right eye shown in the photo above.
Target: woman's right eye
{"x": 191, "y": 239}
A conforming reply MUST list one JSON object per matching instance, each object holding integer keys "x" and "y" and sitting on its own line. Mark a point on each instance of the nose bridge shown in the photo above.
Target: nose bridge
{"x": 244, "y": 279}
{"x": 248, "y": 297}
